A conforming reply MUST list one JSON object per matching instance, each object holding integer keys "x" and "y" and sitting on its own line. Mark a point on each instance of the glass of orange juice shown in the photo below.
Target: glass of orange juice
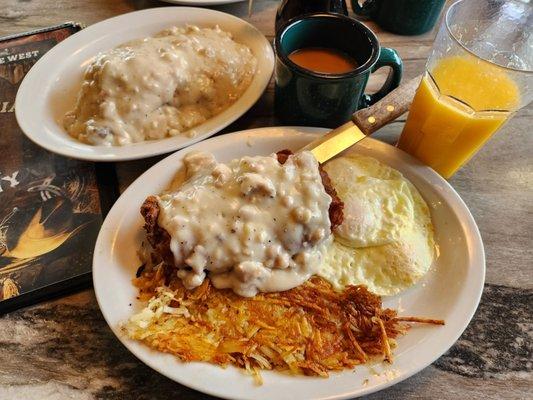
{"x": 479, "y": 73}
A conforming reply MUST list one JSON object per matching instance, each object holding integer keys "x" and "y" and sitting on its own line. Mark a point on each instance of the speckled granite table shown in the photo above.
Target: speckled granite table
{"x": 63, "y": 349}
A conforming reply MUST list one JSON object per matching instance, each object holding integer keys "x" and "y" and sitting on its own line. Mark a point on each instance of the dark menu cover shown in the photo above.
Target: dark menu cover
{"x": 50, "y": 206}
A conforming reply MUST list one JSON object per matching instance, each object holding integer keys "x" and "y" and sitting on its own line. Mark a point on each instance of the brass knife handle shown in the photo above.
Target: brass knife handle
{"x": 389, "y": 108}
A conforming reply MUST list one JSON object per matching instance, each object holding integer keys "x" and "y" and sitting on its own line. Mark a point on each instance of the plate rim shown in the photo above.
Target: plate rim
{"x": 462, "y": 211}
{"x": 24, "y": 92}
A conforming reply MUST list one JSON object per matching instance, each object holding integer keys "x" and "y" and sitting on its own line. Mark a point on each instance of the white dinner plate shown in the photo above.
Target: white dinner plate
{"x": 49, "y": 89}
{"x": 202, "y": 2}
{"x": 451, "y": 290}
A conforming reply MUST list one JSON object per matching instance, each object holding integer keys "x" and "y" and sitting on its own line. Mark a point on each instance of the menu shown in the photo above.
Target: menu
{"x": 51, "y": 207}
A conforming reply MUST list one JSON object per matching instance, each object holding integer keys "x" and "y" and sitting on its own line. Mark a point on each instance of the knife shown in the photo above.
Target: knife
{"x": 364, "y": 122}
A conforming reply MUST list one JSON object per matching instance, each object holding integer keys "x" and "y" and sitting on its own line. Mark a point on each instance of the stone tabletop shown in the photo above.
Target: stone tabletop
{"x": 63, "y": 349}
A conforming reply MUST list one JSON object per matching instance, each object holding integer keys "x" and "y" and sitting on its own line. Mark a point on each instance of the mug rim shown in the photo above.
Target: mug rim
{"x": 320, "y": 15}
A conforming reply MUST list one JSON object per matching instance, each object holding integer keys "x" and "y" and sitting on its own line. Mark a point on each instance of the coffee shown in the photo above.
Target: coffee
{"x": 310, "y": 90}
{"x": 323, "y": 60}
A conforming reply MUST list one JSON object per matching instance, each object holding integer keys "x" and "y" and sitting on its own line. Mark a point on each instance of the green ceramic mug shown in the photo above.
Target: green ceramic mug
{"x": 304, "y": 97}
{"x": 406, "y": 17}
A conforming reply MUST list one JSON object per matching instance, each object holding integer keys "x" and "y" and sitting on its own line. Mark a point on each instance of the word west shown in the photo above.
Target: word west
{"x": 20, "y": 56}
{"x": 11, "y": 179}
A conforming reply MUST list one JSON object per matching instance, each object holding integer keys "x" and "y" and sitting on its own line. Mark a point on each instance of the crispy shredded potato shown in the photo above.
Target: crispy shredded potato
{"x": 311, "y": 329}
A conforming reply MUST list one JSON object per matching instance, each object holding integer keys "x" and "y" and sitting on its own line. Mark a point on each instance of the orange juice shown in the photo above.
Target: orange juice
{"x": 460, "y": 103}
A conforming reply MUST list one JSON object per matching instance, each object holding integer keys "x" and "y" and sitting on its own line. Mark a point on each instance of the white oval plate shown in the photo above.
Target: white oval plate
{"x": 451, "y": 290}
{"x": 49, "y": 89}
{"x": 202, "y": 2}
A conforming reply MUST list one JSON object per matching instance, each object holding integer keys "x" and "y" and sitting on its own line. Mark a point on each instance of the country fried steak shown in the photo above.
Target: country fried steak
{"x": 159, "y": 239}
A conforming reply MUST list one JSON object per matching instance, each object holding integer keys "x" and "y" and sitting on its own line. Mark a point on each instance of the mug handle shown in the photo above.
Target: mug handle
{"x": 387, "y": 58}
{"x": 366, "y": 10}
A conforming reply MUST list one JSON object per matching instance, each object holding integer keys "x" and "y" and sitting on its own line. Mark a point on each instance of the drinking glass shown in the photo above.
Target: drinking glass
{"x": 479, "y": 73}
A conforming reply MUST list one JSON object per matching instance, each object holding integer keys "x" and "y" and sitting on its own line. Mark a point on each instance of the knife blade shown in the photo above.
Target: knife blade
{"x": 364, "y": 122}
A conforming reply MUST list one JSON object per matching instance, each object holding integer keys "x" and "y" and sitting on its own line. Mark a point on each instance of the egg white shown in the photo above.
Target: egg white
{"x": 386, "y": 239}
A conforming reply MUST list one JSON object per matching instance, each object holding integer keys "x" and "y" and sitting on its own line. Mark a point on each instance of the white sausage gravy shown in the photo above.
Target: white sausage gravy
{"x": 253, "y": 225}
{"x": 159, "y": 86}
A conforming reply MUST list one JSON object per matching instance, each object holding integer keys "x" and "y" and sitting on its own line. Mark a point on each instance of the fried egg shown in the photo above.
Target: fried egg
{"x": 386, "y": 239}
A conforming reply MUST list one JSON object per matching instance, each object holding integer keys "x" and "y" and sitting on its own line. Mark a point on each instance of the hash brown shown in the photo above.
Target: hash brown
{"x": 311, "y": 329}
